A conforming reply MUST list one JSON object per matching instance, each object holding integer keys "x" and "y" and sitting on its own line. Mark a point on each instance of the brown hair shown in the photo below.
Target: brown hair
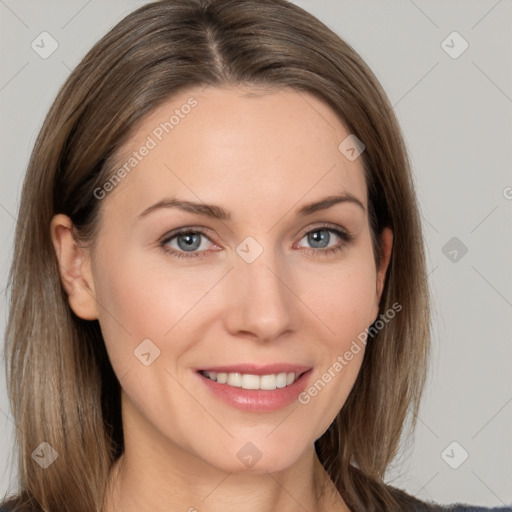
{"x": 61, "y": 385}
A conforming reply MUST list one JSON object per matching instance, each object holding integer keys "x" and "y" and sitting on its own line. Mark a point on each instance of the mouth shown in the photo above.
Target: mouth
{"x": 256, "y": 389}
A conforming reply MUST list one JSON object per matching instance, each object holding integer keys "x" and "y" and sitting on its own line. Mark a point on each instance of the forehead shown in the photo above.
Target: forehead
{"x": 238, "y": 144}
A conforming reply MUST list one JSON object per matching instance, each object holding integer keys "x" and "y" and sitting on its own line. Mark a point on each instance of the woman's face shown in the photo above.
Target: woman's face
{"x": 259, "y": 281}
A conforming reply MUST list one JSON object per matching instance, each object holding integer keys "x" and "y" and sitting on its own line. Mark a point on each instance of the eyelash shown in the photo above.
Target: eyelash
{"x": 345, "y": 237}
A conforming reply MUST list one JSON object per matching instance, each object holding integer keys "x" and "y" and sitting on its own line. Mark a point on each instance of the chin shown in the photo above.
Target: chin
{"x": 246, "y": 457}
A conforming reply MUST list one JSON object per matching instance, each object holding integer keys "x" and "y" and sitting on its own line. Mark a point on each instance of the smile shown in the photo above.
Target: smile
{"x": 253, "y": 388}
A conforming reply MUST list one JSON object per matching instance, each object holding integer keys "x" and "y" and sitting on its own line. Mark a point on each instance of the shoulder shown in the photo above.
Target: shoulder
{"x": 412, "y": 504}
{"x": 459, "y": 507}
{"x": 455, "y": 507}
{"x": 13, "y": 505}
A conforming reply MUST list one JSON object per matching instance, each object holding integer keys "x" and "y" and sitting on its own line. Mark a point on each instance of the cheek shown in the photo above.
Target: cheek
{"x": 342, "y": 296}
{"x": 141, "y": 301}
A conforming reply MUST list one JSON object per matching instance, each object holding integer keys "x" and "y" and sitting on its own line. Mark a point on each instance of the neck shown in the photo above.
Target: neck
{"x": 138, "y": 485}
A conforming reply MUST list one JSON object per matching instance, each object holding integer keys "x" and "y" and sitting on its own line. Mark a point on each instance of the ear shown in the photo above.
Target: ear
{"x": 387, "y": 245}
{"x": 75, "y": 268}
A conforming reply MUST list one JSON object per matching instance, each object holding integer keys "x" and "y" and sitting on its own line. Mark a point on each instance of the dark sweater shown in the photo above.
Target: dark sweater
{"x": 469, "y": 508}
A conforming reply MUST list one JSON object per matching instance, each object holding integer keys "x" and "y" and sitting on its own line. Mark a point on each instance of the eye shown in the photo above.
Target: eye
{"x": 186, "y": 243}
{"x": 320, "y": 237}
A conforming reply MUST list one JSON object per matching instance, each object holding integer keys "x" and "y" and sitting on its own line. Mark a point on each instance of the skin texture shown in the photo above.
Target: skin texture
{"x": 260, "y": 155}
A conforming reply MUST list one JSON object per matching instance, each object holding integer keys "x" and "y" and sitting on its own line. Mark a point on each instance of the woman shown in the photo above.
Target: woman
{"x": 219, "y": 295}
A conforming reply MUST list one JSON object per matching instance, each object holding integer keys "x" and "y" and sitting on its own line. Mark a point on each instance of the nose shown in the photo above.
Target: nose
{"x": 261, "y": 302}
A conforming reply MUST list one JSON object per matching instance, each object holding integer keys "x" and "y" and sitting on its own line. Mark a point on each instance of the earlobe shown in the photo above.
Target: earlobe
{"x": 75, "y": 268}
{"x": 387, "y": 246}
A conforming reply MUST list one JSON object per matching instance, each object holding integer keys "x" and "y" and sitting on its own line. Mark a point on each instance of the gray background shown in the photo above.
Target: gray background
{"x": 456, "y": 114}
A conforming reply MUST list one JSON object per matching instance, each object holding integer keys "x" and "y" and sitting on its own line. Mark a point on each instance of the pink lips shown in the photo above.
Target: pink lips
{"x": 257, "y": 400}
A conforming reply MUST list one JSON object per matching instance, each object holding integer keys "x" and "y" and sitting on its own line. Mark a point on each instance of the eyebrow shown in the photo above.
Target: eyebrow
{"x": 217, "y": 212}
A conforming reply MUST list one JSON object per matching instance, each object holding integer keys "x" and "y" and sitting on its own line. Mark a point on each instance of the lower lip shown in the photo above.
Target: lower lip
{"x": 257, "y": 400}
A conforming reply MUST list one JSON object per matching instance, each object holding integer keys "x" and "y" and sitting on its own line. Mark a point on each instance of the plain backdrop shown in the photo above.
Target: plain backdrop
{"x": 447, "y": 68}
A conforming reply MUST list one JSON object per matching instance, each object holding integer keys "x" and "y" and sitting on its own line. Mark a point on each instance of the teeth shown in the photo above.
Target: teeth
{"x": 248, "y": 381}
{"x": 234, "y": 379}
{"x": 268, "y": 382}
{"x": 281, "y": 379}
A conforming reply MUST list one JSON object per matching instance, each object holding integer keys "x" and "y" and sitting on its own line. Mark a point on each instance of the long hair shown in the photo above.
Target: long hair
{"x": 62, "y": 388}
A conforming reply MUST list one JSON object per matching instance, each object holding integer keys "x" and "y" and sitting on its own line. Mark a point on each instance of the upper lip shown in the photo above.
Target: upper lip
{"x": 254, "y": 369}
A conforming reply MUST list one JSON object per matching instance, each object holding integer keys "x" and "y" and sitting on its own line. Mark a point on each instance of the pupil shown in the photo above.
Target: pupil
{"x": 191, "y": 241}
{"x": 319, "y": 236}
